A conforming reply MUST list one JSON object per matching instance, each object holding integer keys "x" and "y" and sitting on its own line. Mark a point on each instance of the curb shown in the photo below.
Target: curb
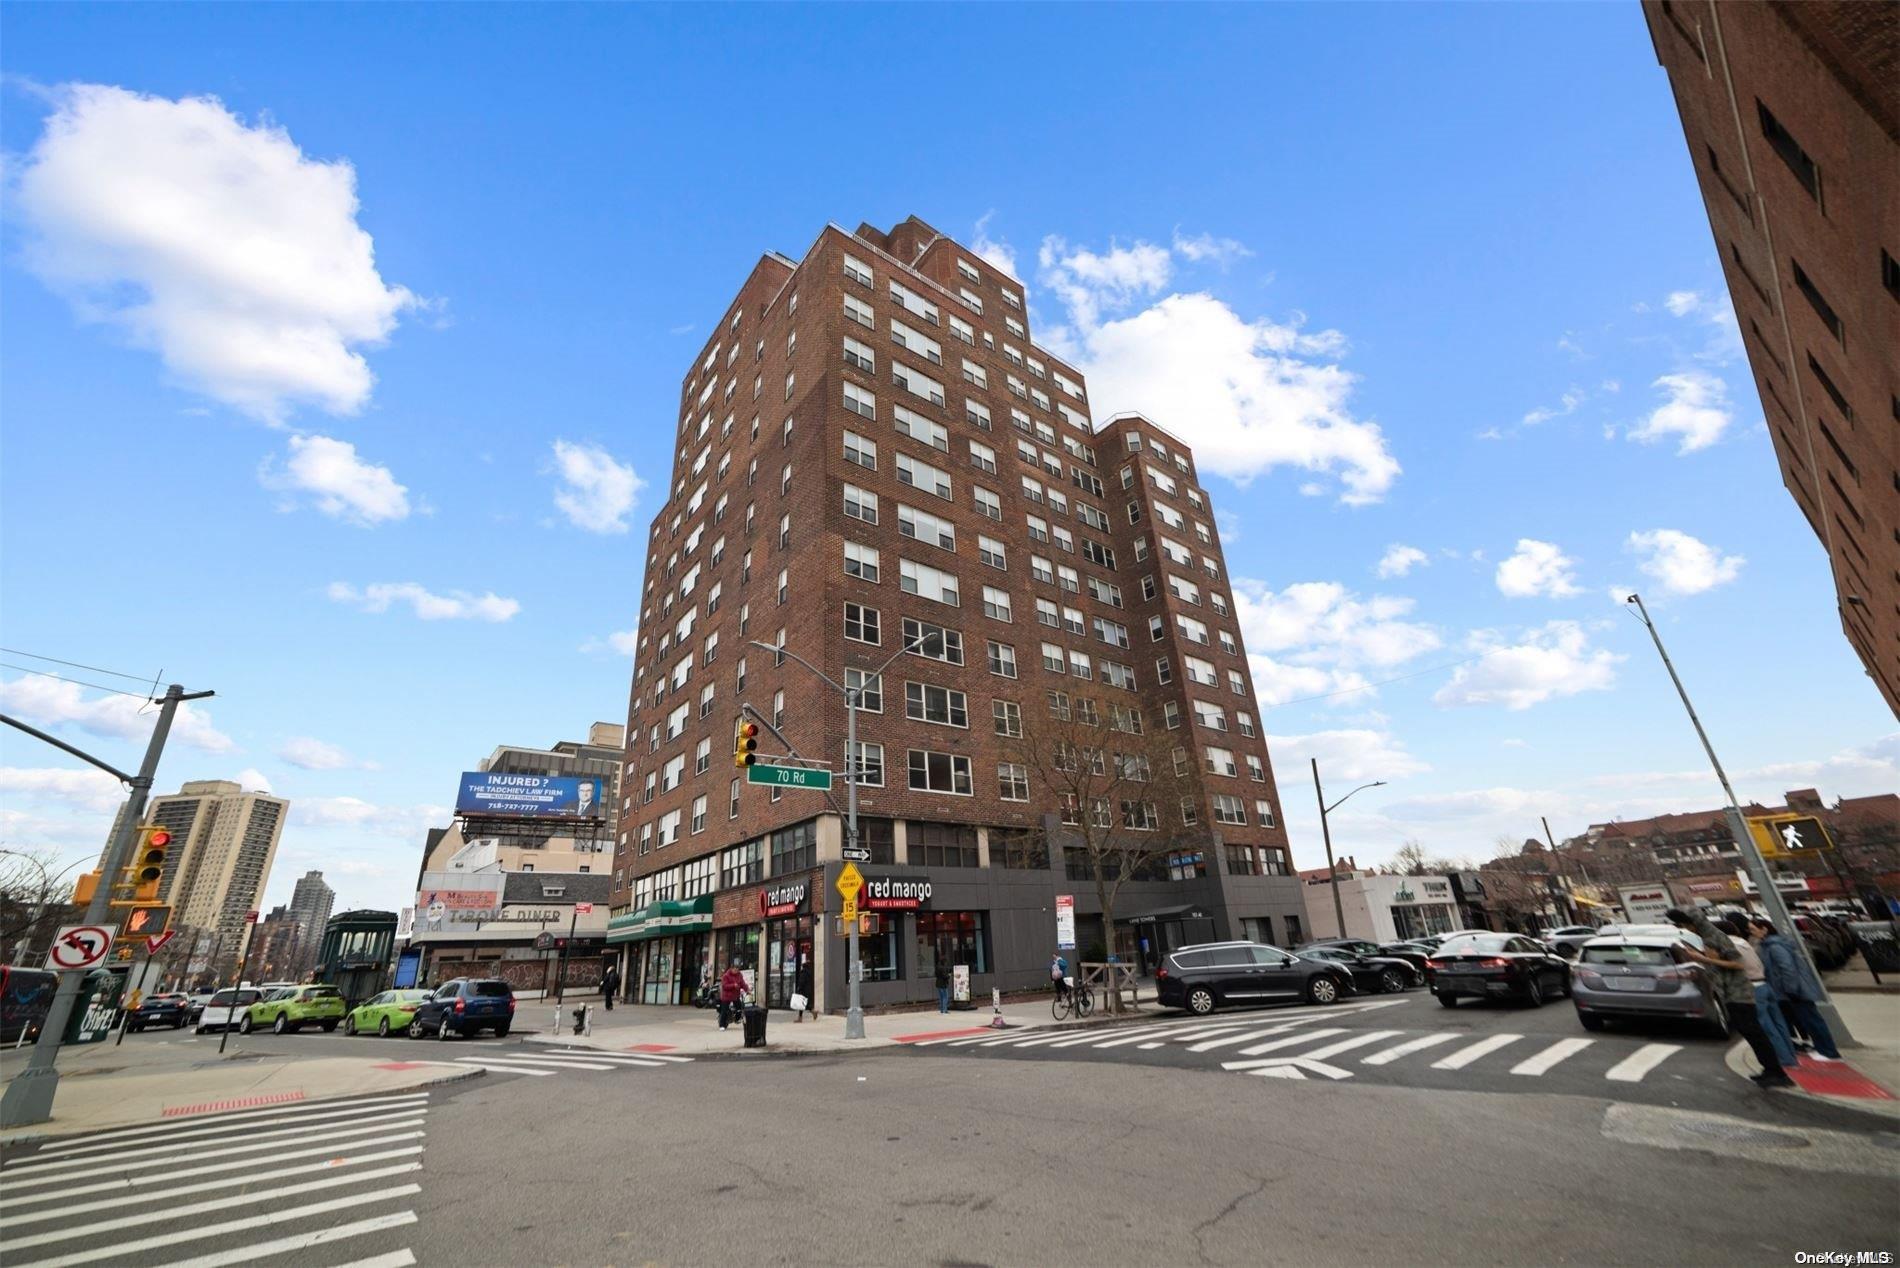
{"x": 1739, "y": 1060}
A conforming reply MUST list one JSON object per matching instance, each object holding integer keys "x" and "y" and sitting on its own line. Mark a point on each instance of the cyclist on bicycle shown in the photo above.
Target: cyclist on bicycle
{"x": 1059, "y": 975}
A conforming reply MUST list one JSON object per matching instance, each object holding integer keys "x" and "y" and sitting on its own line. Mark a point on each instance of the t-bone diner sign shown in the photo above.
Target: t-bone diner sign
{"x": 895, "y": 893}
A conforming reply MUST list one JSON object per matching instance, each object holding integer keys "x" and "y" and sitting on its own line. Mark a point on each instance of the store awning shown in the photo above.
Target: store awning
{"x": 1186, "y": 911}
{"x": 662, "y": 919}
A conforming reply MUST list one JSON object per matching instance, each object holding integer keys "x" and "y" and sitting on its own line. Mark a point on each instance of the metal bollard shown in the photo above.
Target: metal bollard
{"x": 555, "y": 1029}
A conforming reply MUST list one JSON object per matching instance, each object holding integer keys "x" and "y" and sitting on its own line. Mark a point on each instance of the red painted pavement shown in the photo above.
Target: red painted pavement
{"x": 1826, "y": 1078}
{"x": 652, "y": 1047}
{"x": 943, "y": 1034}
{"x": 245, "y": 1102}
{"x": 400, "y": 1065}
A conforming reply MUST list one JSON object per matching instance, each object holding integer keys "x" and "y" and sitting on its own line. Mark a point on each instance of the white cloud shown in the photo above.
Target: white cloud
{"x": 306, "y": 753}
{"x": 1682, "y": 303}
{"x": 344, "y": 486}
{"x": 1325, "y": 623}
{"x": 54, "y": 703}
{"x": 1278, "y": 682}
{"x": 1205, "y": 246}
{"x": 1538, "y": 568}
{"x": 1567, "y": 405}
{"x": 88, "y": 790}
{"x": 597, "y": 492}
{"x": 1681, "y": 563}
{"x": 251, "y": 779}
{"x": 1346, "y": 757}
{"x": 354, "y": 812}
{"x": 1717, "y": 312}
{"x": 1399, "y": 560}
{"x": 456, "y": 605}
{"x": 1554, "y": 660}
{"x": 1695, "y": 412}
{"x": 996, "y": 252}
{"x": 1089, "y": 284}
{"x": 619, "y": 642}
{"x": 216, "y": 243}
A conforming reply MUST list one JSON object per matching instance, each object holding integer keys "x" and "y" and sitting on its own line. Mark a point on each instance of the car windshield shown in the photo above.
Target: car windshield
{"x": 1475, "y": 943}
{"x": 323, "y": 992}
{"x": 489, "y": 988}
{"x": 1628, "y": 955}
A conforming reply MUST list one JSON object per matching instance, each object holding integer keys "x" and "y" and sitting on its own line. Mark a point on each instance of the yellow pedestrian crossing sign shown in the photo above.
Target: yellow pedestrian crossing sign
{"x": 1787, "y": 836}
{"x": 850, "y": 881}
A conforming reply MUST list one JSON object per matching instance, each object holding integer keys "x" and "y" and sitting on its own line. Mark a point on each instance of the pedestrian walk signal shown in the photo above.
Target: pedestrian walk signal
{"x": 745, "y": 744}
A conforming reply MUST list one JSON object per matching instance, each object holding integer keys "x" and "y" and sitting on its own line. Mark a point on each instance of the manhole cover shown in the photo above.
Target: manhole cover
{"x": 1738, "y": 1134}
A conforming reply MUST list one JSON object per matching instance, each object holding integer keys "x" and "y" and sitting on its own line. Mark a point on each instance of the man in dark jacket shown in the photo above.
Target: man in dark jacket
{"x": 1731, "y": 987}
{"x": 609, "y": 984}
{"x": 1794, "y": 986}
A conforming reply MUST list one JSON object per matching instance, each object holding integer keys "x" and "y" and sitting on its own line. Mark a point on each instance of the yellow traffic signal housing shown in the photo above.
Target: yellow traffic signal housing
{"x": 148, "y": 863}
{"x": 745, "y": 743}
{"x": 85, "y": 887}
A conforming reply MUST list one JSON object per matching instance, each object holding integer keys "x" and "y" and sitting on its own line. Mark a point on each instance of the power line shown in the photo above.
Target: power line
{"x": 72, "y": 664}
{"x": 1367, "y": 686}
{"x": 80, "y": 682}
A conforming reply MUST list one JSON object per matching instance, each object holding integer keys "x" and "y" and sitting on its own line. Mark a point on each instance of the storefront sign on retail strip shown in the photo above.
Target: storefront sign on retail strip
{"x": 895, "y": 893}
{"x": 782, "y": 900}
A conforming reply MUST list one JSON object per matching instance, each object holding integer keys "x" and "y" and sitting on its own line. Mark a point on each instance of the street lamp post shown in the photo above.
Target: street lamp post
{"x": 1332, "y": 869}
{"x": 854, "y": 969}
{"x": 1744, "y": 840}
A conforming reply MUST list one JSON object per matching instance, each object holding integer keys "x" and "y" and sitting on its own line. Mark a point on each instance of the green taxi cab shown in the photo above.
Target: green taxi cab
{"x": 381, "y": 1014}
{"x": 291, "y": 1008}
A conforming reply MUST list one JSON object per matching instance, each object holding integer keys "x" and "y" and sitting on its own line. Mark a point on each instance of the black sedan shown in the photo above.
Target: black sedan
{"x": 1496, "y": 966}
{"x": 1413, "y": 953}
{"x": 1370, "y": 973}
{"x": 166, "y": 1010}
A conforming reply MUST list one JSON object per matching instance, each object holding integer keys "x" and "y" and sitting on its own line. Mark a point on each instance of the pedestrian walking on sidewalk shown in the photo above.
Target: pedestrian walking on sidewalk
{"x": 943, "y": 981}
{"x": 609, "y": 984}
{"x": 731, "y": 991}
{"x": 801, "y": 985}
{"x": 1731, "y": 987}
{"x": 1796, "y": 991}
{"x": 1767, "y": 1009}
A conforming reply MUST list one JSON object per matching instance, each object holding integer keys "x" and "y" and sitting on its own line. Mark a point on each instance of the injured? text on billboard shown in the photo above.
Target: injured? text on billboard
{"x": 530, "y": 796}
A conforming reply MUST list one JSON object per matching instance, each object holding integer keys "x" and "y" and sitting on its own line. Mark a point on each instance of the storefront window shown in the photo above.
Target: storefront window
{"x": 961, "y": 937}
{"x": 740, "y": 943}
{"x": 1024, "y": 848}
{"x": 794, "y": 849}
{"x": 1257, "y": 929}
{"x": 787, "y": 942}
{"x": 877, "y": 836}
{"x": 878, "y": 948}
{"x": 1416, "y": 922}
{"x": 941, "y": 844}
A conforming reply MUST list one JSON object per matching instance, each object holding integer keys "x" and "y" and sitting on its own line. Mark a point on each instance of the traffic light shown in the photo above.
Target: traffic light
{"x": 145, "y": 922}
{"x": 84, "y": 887}
{"x": 148, "y": 863}
{"x": 745, "y": 743}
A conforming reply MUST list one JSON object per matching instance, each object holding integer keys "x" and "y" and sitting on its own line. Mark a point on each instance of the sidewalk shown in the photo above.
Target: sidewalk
{"x": 1869, "y": 1080}
{"x": 95, "y": 1093}
{"x": 695, "y": 1031}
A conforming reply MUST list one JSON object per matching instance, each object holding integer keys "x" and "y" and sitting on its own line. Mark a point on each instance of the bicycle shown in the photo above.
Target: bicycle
{"x": 1071, "y": 1000}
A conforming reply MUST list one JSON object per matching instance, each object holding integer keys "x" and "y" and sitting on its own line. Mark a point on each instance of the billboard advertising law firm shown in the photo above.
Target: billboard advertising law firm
{"x": 531, "y": 796}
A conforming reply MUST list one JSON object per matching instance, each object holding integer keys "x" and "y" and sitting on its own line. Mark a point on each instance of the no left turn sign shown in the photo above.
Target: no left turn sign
{"x": 80, "y": 946}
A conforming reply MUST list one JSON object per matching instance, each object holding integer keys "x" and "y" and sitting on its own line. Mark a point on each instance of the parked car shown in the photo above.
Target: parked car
{"x": 227, "y": 1007}
{"x": 1568, "y": 939}
{"x": 195, "y": 1005}
{"x": 289, "y": 1010}
{"x": 1211, "y": 975}
{"x": 1829, "y": 942}
{"x": 390, "y": 1011}
{"x": 465, "y": 1006}
{"x": 1371, "y": 974}
{"x": 1497, "y": 966}
{"x": 1358, "y": 946}
{"x": 1643, "y": 975}
{"x": 161, "y": 1009}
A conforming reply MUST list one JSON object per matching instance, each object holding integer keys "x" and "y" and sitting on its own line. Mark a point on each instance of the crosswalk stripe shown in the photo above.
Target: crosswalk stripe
{"x": 93, "y": 1227}
{"x": 56, "y": 1172}
{"x": 1562, "y": 1050}
{"x": 1029, "y": 1041}
{"x": 1071, "y": 1041}
{"x": 1199, "y": 1032}
{"x": 664, "y": 1056}
{"x": 1465, "y": 1056}
{"x": 1632, "y": 1068}
{"x": 283, "y": 1113}
{"x": 1122, "y": 1039}
{"x": 394, "y": 1259}
{"x": 214, "y": 1129}
{"x": 1347, "y": 1045}
{"x": 550, "y": 1063}
{"x": 65, "y": 1207}
{"x": 612, "y": 1058}
{"x": 499, "y": 1068}
{"x": 67, "y": 1191}
{"x": 1291, "y": 1041}
{"x": 261, "y": 1250}
{"x": 1228, "y": 1040}
{"x": 1406, "y": 1049}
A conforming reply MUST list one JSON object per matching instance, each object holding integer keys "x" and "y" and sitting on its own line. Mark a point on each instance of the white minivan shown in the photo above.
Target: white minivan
{"x": 227, "y": 1006}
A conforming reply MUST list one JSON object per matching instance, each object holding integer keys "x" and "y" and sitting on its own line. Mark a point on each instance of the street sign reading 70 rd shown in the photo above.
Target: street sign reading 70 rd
{"x": 788, "y": 777}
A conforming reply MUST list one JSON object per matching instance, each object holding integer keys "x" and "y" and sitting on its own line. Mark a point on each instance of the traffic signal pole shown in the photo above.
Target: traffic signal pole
{"x": 29, "y": 1097}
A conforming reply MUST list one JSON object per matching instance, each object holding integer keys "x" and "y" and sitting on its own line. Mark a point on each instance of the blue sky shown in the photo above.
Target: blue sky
{"x": 1410, "y": 278}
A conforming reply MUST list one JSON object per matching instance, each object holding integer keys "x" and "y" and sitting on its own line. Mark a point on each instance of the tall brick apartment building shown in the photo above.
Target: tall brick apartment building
{"x": 871, "y": 447}
{"x": 1792, "y": 114}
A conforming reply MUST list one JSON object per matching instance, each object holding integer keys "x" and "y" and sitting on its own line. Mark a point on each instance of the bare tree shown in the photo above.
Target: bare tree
{"x": 1411, "y": 859}
{"x": 1126, "y": 797}
{"x": 33, "y": 893}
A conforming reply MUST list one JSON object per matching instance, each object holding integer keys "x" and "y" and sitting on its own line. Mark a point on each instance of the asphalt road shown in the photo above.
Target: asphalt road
{"x": 969, "y": 1155}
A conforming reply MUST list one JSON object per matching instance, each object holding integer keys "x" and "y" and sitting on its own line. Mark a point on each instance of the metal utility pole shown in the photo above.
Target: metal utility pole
{"x": 29, "y": 1097}
{"x": 1752, "y": 860}
{"x": 1332, "y": 869}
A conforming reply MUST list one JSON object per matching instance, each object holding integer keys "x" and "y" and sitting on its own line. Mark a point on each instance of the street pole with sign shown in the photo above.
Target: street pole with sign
{"x": 1326, "y": 832}
{"x": 29, "y": 1097}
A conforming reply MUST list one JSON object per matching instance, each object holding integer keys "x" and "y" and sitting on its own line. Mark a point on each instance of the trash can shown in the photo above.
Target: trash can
{"x": 754, "y": 1026}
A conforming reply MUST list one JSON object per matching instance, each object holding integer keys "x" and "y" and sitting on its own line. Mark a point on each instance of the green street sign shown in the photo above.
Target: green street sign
{"x": 788, "y": 777}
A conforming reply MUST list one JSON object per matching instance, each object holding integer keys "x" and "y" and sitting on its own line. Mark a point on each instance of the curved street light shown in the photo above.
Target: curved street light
{"x": 1332, "y": 869}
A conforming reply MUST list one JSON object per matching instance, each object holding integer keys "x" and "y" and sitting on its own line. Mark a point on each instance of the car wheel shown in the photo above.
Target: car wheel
{"x": 198, "y": 1030}
{"x": 244, "y": 1024}
{"x": 281, "y": 1026}
{"x": 1448, "y": 1000}
{"x": 501, "y": 1032}
{"x": 382, "y": 1028}
{"x": 349, "y": 1025}
{"x": 442, "y": 1030}
{"x": 1391, "y": 982}
{"x": 1200, "y": 1001}
{"x": 415, "y": 1029}
{"x": 1590, "y": 1021}
{"x": 1323, "y": 989}
{"x": 1534, "y": 992}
